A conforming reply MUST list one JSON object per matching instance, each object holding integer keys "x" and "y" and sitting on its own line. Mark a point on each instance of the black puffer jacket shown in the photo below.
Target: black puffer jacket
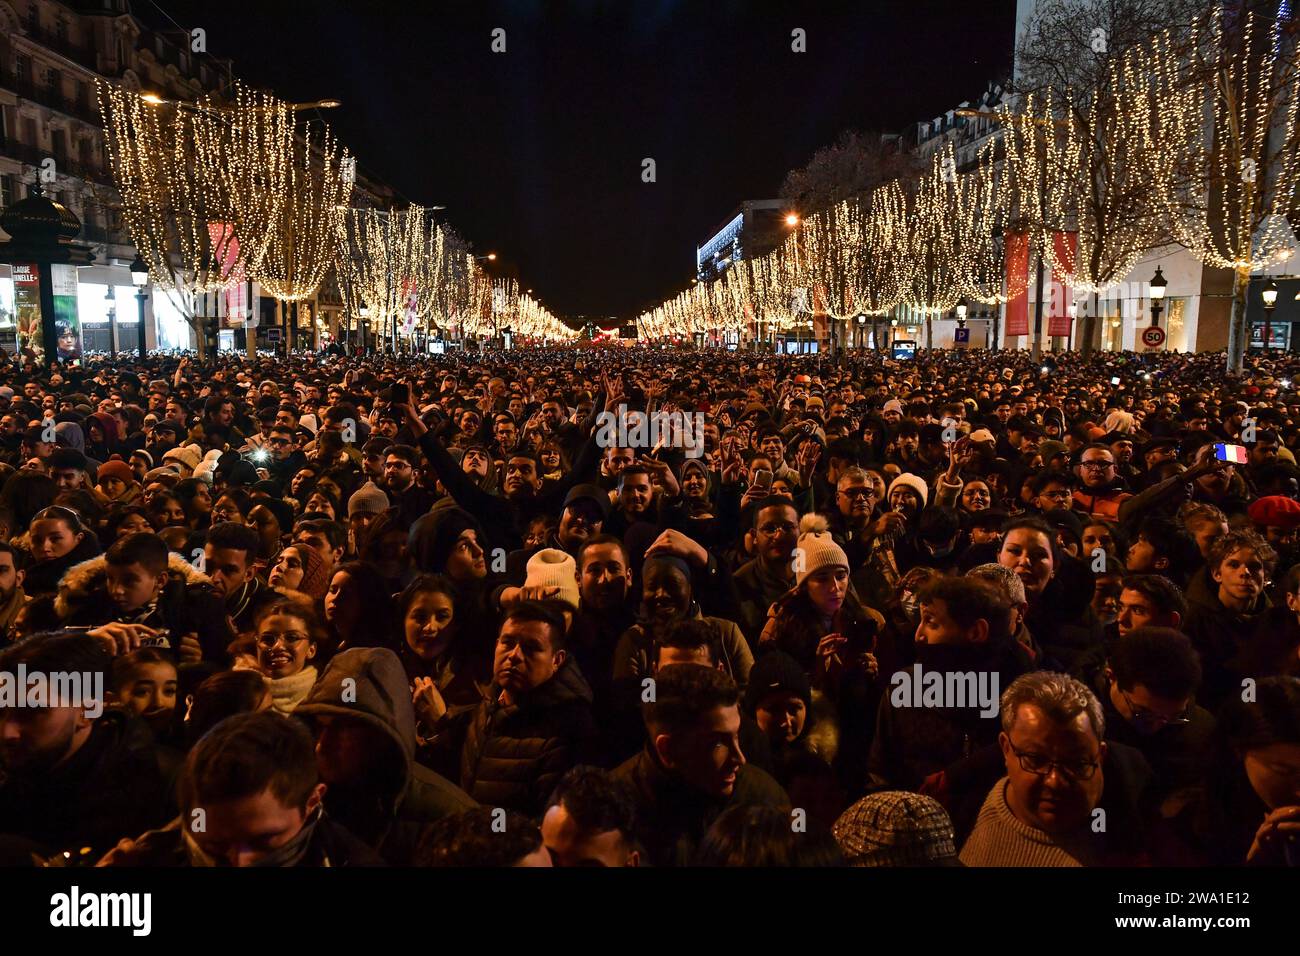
{"x": 514, "y": 755}
{"x": 43, "y": 577}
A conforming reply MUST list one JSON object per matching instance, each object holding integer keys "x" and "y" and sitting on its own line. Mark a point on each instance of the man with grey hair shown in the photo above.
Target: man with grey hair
{"x": 1048, "y": 809}
{"x": 1009, "y": 583}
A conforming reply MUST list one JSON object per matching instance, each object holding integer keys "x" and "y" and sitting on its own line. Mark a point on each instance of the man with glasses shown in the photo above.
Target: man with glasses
{"x": 770, "y": 574}
{"x": 1150, "y": 704}
{"x": 1044, "y": 811}
{"x": 1101, "y": 490}
{"x": 286, "y": 458}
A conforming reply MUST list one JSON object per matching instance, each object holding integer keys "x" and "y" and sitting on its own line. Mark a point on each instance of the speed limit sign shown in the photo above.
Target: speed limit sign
{"x": 1153, "y": 337}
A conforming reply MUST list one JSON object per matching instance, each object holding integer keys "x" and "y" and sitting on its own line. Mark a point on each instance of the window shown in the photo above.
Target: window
{"x": 23, "y": 67}
{"x": 29, "y": 132}
{"x": 61, "y": 29}
{"x": 34, "y": 16}
{"x": 59, "y": 144}
{"x": 8, "y": 191}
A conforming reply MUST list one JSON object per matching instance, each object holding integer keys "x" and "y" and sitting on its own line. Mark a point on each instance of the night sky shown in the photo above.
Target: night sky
{"x": 537, "y": 152}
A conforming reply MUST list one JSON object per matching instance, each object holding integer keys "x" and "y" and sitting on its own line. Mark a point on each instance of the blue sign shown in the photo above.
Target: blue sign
{"x": 961, "y": 335}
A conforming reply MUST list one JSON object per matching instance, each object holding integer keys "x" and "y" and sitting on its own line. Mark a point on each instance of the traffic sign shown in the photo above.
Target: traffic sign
{"x": 1153, "y": 337}
{"x": 961, "y": 335}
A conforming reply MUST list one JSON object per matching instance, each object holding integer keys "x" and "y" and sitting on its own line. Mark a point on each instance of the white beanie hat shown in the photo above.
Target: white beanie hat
{"x": 893, "y": 405}
{"x": 208, "y": 465}
{"x": 816, "y": 548}
{"x": 552, "y": 568}
{"x": 915, "y": 482}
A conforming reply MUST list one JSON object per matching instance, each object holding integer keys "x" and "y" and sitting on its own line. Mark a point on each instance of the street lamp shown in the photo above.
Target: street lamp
{"x": 1157, "y": 296}
{"x": 862, "y": 330}
{"x": 140, "y": 279}
{"x": 961, "y": 314}
{"x": 1269, "y": 295}
{"x": 893, "y": 329}
{"x": 112, "y": 320}
{"x": 792, "y": 219}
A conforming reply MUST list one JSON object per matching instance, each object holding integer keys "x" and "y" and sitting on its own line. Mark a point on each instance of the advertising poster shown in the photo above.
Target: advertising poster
{"x": 27, "y": 309}
{"x": 67, "y": 325}
{"x": 1017, "y": 256}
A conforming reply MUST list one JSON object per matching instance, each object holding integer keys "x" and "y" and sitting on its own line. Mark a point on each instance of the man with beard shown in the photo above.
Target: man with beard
{"x": 1100, "y": 491}
{"x": 770, "y": 574}
{"x": 401, "y": 463}
{"x": 1277, "y": 518}
{"x": 12, "y": 596}
{"x": 636, "y": 500}
{"x": 962, "y": 636}
{"x": 74, "y": 774}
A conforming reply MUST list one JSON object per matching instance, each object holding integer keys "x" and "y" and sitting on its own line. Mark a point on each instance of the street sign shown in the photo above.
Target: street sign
{"x": 273, "y": 335}
{"x": 961, "y": 335}
{"x": 1153, "y": 337}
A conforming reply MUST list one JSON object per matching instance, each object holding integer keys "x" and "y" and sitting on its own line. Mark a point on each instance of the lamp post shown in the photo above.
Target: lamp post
{"x": 140, "y": 279}
{"x": 1158, "y": 284}
{"x": 112, "y": 320}
{"x": 862, "y": 331}
{"x": 1269, "y": 295}
{"x": 893, "y": 330}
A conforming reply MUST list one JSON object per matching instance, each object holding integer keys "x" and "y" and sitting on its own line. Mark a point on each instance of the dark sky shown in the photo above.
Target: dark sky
{"x": 537, "y": 152}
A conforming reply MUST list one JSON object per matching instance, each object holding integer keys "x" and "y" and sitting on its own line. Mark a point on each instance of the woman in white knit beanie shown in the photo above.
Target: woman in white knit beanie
{"x": 820, "y": 622}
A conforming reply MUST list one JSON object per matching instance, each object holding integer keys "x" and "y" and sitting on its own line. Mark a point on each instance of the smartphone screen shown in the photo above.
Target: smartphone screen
{"x": 1234, "y": 453}
{"x": 1114, "y": 380}
{"x": 762, "y": 478}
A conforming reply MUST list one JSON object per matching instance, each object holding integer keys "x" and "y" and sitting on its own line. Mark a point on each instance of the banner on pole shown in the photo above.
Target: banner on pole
{"x": 1062, "y": 295}
{"x": 67, "y": 324}
{"x": 1017, "y": 256}
{"x": 27, "y": 308}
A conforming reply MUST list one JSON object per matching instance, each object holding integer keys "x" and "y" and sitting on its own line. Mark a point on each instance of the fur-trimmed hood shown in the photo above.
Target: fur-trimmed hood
{"x": 82, "y": 580}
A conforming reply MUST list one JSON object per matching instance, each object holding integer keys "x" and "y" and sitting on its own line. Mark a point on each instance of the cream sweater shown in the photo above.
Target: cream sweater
{"x": 1000, "y": 839}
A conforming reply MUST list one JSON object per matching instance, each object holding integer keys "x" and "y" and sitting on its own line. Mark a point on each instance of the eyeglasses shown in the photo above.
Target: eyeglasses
{"x": 278, "y": 441}
{"x": 1041, "y": 766}
{"x": 270, "y": 639}
{"x": 772, "y": 530}
{"x": 854, "y": 493}
{"x": 1056, "y": 495}
{"x": 1142, "y": 715}
{"x": 1097, "y": 465}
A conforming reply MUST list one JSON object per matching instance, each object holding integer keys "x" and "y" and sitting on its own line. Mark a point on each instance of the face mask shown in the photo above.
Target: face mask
{"x": 284, "y": 856}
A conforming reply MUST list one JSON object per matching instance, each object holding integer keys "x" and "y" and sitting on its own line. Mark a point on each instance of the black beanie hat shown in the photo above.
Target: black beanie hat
{"x": 776, "y": 671}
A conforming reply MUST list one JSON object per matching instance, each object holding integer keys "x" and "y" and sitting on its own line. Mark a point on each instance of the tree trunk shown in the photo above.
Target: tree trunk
{"x": 1238, "y": 327}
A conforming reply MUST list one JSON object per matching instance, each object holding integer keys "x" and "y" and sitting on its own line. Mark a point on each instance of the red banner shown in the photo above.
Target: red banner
{"x": 1063, "y": 249}
{"x": 1017, "y": 255}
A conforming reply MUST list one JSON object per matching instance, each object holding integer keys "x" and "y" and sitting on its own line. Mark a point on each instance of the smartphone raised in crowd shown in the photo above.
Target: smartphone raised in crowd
{"x": 763, "y": 479}
{"x": 1236, "y": 454}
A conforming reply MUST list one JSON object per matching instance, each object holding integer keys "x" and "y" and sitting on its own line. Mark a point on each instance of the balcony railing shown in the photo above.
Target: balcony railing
{"x": 78, "y": 107}
{"x": 64, "y": 165}
{"x": 86, "y": 56}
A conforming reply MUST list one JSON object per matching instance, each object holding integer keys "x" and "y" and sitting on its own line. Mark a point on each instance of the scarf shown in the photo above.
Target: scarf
{"x": 290, "y": 854}
{"x": 288, "y": 692}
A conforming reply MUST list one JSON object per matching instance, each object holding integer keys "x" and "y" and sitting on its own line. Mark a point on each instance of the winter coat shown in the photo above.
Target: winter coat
{"x": 1222, "y": 637}
{"x": 672, "y": 818}
{"x": 43, "y": 577}
{"x": 515, "y": 754}
{"x": 186, "y": 605}
{"x": 111, "y": 788}
{"x": 756, "y": 590}
{"x": 331, "y": 845}
{"x": 387, "y": 809}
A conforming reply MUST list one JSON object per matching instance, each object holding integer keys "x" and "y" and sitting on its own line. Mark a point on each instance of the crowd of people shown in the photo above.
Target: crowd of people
{"x": 967, "y": 609}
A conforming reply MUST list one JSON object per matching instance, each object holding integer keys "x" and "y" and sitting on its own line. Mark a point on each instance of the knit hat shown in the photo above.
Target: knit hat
{"x": 1051, "y": 448}
{"x": 982, "y": 435}
{"x": 369, "y": 499}
{"x": 915, "y": 482}
{"x": 207, "y": 468}
{"x": 552, "y": 568}
{"x": 776, "y": 671}
{"x": 116, "y": 468}
{"x": 1274, "y": 511}
{"x": 893, "y": 405}
{"x": 315, "y": 578}
{"x": 896, "y": 828}
{"x": 817, "y": 548}
{"x": 188, "y": 456}
{"x": 148, "y": 458}
{"x": 589, "y": 493}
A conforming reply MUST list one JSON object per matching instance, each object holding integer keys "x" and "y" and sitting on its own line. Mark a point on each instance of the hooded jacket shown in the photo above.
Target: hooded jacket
{"x": 186, "y": 605}
{"x": 514, "y": 755}
{"x": 1223, "y": 638}
{"x": 389, "y": 807}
